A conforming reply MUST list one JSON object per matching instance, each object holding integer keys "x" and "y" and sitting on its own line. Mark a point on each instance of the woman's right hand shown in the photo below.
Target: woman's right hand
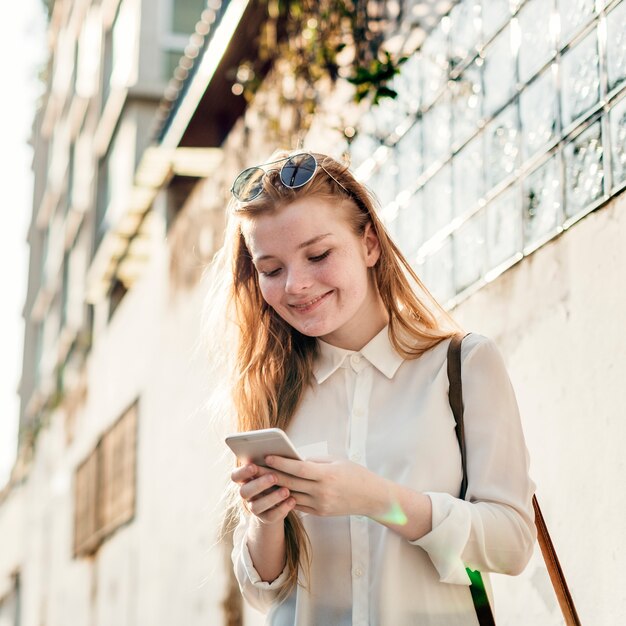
{"x": 269, "y": 506}
{"x": 267, "y": 502}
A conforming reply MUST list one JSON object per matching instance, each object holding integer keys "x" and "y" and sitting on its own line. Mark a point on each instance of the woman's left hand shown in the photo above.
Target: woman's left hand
{"x": 327, "y": 488}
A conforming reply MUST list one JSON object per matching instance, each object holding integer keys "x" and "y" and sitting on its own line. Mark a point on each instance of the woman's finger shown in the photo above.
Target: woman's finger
{"x": 293, "y": 483}
{"x": 278, "y": 512}
{"x": 244, "y": 473}
{"x": 264, "y": 503}
{"x": 253, "y": 488}
{"x": 301, "y": 469}
{"x": 304, "y": 500}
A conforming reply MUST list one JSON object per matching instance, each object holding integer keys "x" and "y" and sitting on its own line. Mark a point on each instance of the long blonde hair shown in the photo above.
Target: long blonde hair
{"x": 274, "y": 362}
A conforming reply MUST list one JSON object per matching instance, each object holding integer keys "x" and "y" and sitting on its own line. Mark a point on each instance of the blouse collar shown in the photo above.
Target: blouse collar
{"x": 379, "y": 352}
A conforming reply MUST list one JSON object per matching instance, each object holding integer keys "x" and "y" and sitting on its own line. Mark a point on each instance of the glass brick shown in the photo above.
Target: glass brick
{"x": 438, "y": 201}
{"x": 408, "y": 85}
{"x": 361, "y": 148}
{"x": 580, "y": 81}
{"x": 469, "y": 252}
{"x": 538, "y": 113}
{"x": 504, "y": 226}
{"x": 467, "y": 176}
{"x": 383, "y": 181}
{"x": 584, "y": 170}
{"x": 387, "y": 116}
{"x": 466, "y": 97}
{"x": 616, "y": 45}
{"x": 409, "y": 157}
{"x": 502, "y": 152}
{"x": 496, "y": 13}
{"x": 434, "y": 64}
{"x": 617, "y": 121}
{"x": 437, "y": 131}
{"x": 499, "y": 74}
{"x": 437, "y": 272}
{"x": 409, "y": 225}
{"x": 464, "y": 30}
{"x": 574, "y": 14}
{"x": 542, "y": 200}
{"x": 537, "y": 46}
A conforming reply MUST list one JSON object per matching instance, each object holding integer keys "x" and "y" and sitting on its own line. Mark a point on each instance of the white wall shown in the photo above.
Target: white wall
{"x": 11, "y": 524}
{"x": 559, "y": 318}
{"x": 167, "y": 565}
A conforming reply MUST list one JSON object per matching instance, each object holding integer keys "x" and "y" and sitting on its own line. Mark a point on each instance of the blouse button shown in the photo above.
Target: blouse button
{"x": 355, "y": 457}
{"x": 358, "y": 572}
{"x": 355, "y": 359}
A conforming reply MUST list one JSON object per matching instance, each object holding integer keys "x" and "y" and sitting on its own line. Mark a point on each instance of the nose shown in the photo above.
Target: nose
{"x": 298, "y": 280}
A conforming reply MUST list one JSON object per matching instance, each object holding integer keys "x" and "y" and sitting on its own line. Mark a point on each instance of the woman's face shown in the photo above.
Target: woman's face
{"x": 313, "y": 271}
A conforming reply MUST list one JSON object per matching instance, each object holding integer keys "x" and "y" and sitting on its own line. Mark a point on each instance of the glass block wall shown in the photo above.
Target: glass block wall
{"x": 510, "y": 125}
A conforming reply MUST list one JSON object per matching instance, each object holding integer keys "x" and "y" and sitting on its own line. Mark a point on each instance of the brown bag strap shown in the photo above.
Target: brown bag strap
{"x": 563, "y": 595}
{"x": 548, "y": 551}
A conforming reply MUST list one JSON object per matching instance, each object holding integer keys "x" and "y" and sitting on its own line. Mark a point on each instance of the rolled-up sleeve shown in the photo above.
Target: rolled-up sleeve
{"x": 492, "y": 530}
{"x": 259, "y": 593}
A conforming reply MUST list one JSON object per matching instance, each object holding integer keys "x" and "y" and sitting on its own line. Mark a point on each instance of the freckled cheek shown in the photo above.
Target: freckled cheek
{"x": 339, "y": 276}
{"x": 270, "y": 293}
{"x": 266, "y": 292}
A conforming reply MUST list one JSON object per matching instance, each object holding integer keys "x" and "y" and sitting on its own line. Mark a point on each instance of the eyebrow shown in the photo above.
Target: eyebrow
{"x": 304, "y": 244}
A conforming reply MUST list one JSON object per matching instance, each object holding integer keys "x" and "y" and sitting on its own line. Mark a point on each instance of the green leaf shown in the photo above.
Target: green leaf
{"x": 386, "y": 92}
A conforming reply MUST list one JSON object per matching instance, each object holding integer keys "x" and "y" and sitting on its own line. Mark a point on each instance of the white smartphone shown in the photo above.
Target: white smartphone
{"x": 254, "y": 445}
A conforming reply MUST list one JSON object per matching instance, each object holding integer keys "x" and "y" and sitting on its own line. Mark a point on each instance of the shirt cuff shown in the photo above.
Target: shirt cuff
{"x": 444, "y": 544}
{"x": 254, "y": 576}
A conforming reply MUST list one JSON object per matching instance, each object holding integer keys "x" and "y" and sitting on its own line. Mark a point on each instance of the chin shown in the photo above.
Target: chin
{"x": 314, "y": 330}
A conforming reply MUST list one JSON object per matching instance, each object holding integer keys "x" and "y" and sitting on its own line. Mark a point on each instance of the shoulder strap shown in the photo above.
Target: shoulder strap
{"x": 456, "y": 401}
{"x": 477, "y": 586}
{"x": 555, "y": 571}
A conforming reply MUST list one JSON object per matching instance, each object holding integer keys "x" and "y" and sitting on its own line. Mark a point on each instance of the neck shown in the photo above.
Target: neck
{"x": 362, "y": 330}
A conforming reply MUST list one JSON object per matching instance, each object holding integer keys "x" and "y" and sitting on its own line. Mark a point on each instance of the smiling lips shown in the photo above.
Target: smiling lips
{"x": 309, "y": 305}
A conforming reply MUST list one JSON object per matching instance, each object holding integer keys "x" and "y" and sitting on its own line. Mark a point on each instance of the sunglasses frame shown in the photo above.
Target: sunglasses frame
{"x": 286, "y": 160}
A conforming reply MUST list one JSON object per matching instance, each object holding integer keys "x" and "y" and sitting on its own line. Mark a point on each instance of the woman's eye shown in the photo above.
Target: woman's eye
{"x": 319, "y": 257}
{"x": 271, "y": 272}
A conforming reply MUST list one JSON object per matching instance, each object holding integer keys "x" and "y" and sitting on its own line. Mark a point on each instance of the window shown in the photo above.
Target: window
{"x": 180, "y": 21}
{"x": 103, "y": 197}
{"x": 117, "y": 473}
{"x": 86, "y": 536}
{"x": 105, "y": 485}
{"x": 117, "y": 292}
{"x": 65, "y": 288}
{"x": 10, "y": 613}
{"x": 38, "y": 351}
{"x": 70, "y": 179}
{"x": 107, "y": 68}
{"x": 520, "y": 130}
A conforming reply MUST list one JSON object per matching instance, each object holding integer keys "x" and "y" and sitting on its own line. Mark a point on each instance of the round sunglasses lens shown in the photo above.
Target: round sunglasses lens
{"x": 298, "y": 170}
{"x": 249, "y": 184}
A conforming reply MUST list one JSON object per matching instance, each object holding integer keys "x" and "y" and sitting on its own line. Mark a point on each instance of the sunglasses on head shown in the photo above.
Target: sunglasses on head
{"x": 297, "y": 171}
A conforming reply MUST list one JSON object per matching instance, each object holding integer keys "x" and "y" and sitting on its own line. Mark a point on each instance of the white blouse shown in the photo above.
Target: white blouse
{"x": 393, "y": 416}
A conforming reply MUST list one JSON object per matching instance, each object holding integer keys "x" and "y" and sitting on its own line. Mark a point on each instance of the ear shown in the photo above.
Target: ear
{"x": 371, "y": 245}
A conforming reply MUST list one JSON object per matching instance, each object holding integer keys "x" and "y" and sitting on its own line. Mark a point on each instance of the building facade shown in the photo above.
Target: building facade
{"x": 500, "y": 168}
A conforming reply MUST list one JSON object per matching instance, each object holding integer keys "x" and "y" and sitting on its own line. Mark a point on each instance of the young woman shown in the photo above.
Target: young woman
{"x": 342, "y": 347}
